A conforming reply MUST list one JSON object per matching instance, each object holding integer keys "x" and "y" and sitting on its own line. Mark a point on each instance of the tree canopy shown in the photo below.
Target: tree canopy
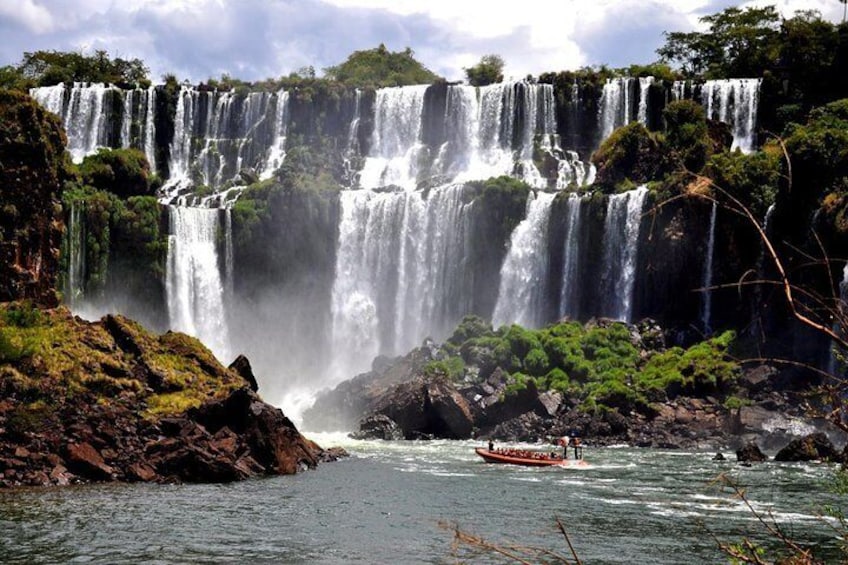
{"x": 738, "y": 43}
{"x": 380, "y": 68}
{"x": 488, "y": 71}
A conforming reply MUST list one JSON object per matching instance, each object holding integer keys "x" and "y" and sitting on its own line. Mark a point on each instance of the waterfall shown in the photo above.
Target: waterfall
{"x": 218, "y": 135}
{"x": 399, "y": 265}
{"x": 352, "y": 146}
{"x": 127, "y": 119}
{"x": 525, "y": 268}
{"x": 644, "y": 90}
{"x": 84, "y": 113}
{"x": 75, "y": 284}
{"x": 395, "y": 141}
{"x": 572, "y": 172}
{"x": 195, "y": 292}
{"x": 277, "y": 151}
{"x": 621, "y": 242}
{"x": 150, "y": 127}
{"x": 707, "y": 303}
{"x": 570, "y": 289}
{"x": 734, "y": 101}
{"x": 614, "y": 106}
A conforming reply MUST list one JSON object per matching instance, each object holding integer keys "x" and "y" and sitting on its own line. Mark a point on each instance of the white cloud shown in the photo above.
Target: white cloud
{"x": 255, "y": 39}
{"x": 28, "y": 13}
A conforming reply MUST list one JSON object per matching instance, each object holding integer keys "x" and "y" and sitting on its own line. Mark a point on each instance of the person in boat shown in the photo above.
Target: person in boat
{"x": 564, "y": 441}
{"x": 491, "y": 445}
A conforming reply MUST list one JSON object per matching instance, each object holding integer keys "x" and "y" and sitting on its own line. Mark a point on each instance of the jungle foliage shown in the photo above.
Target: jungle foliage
{"x": 488, "y": 71}
{"x": 45, "y": 68}
{"x": 601, "y": 365}
{"x": 379, "y": 67}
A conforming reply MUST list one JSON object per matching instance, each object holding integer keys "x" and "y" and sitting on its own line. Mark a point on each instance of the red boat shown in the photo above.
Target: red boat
{"x": 526, "y": 458}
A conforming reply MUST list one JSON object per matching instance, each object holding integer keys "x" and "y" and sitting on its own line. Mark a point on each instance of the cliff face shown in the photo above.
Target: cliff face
{"x": 33, "y": 169}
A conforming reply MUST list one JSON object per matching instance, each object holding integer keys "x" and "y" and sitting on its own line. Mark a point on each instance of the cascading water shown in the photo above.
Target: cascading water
{"x": 734, "y": 101}
{"x": 84, "y": 113}
{"x": 277, "y": 151}
{"x": 150, "y": 127}
{"x": 707, "y": 303}
{"x": 75, "y": 241}
{"x": 621, "y": 242}
{"x": 398, "y": 276}
{"x": 525, "y": 268}
{"x": 644, "y": 90}
{"x": 396, "y": 140}
{"x": 570, "y": 290}
{"x": 616, "y": 105}
{"x": 126, "y": 122}
{"x": 217, "y": 135}
{"x": 195, "y": 291}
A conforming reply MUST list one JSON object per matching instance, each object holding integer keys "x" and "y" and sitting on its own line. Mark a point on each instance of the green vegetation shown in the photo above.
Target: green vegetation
{"x": 128, "y": 229}
{"x": 376, "y": 68}
{"x": 47, "y": 359}
{"x": 738, "y": 43}
{"x": 45, "y": 68}
{"x": 600, "y": 365}
{"x": 632, "y": 155}
{"x": 488, "y": 71}
{"x": 123, "y": 172}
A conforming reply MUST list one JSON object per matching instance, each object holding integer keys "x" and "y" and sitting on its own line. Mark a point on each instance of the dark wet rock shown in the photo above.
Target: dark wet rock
{"x": 529, "y": 427}
{"x": 428, "y": 406}
{"x": 85, "y": 461}
{"x": 378, "y": 426}
{"x": 241, "y": 365}
{"x": 750, "y": 453}
{"x": 813, "y": 447}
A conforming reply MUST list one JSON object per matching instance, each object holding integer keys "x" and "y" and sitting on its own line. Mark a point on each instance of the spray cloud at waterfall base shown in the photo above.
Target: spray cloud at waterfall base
{"x": 411, "y": 247}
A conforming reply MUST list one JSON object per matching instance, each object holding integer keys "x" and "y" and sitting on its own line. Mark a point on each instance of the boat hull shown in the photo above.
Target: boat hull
{"x": 510, "y": 459}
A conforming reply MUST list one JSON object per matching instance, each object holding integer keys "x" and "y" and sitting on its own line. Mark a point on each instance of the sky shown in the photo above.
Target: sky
{"x": 258, "y": 39}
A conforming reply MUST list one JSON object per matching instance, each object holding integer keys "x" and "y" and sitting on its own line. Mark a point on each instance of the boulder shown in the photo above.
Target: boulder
{"x": 264, "y": 432}
{"x": 378, "y": 426}
{"x": 87, "y": 462}
{"x": 450, "y": 414}
{"x": 241, "y": 365}
{"x": 428, "y": 407}
{"x": 750, "y": 453}
{"x": 813, "y": 447}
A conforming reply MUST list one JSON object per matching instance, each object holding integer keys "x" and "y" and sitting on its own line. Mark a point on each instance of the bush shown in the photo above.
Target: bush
{"x": 632, "y": 155}
{"x": 377, "y": 68}
{"x": 124, "y": 172}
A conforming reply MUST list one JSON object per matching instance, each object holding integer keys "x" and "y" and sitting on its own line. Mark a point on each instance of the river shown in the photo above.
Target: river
{"x": 384, "y": 504}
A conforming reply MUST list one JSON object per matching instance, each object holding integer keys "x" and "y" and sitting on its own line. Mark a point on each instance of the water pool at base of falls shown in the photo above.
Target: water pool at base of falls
{"x": 385, "y": 502}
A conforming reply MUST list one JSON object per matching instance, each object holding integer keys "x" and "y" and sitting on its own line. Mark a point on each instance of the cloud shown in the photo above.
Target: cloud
{"x": 256, "y": 39}
{"x": 27, "y": 13}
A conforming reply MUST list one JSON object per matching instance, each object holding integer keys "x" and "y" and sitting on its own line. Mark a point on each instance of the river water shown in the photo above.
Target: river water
{"x": 384, "y": 504}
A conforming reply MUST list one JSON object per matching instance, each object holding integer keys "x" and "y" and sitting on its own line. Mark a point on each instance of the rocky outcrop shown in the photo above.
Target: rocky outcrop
{"x": 241, "y": 365}
{"x": 131, "y": 406}
{"x": 813, "y": 447}
{"x": 378, "y": 426}
{"x": 428, "y": 407}
{"x": 750, "y": 453}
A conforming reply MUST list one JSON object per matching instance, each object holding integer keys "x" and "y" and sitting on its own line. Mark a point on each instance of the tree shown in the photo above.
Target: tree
{"x": 488, "y": 71}
{"x": 380, "y": 67}
{"x": 52, "y": 67}
{"x": 738, "y": 43}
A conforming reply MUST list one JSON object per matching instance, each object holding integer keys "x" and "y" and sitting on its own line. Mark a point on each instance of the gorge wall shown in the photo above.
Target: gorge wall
{"x": 313, "y": 284}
